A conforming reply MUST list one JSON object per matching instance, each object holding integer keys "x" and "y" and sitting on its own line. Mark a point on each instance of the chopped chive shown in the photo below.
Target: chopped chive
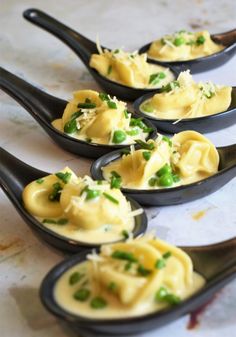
{"x": 88, "y": 100}
{"x": 112, "y": 286}
{"x": 167, "y": 139}
{"x": 65, "y": 177}
{"x": 133, "y": 132}
{"x": 148, "y": 130}
{"x": 125, "y": 151}
{"x": 116, "y": 51}
{"x": 170, "y": 86}
{"x": 39, "y": 181}
{"x": 147, "y": 155}
{"x": 86, "y": 105}
{"x": 75, "y": 277}
{"x": 56, "y": 192}
{"x": 109, "y": 197}
{"x": 62, "y": 221}
{"x": 128, "y": 266}
{"x": 176, "y": 178}
{"x": 160, "y": 263}
{"x": 143, "y": 271}
{"x": 103, "y": 96}
{"x": 109, "y": 70}
{"x": 92, "y": 194}
{"x": 50, "y": 221}
{"x": 126, "y": 113}
{"x": 143, "y": 145}
{"x": 116, "y": 182}
{"x": 70, "y": 126}
{"x": 88, "y": 140}
{"x": 111, "y": 105}
{"x": 125, "y": 234}
{"x": 155, "y": 78}
{"x": 98, "y": 303}
{"x": 82, "y": 294}
{"x": 166, "y": 255}
{"x": 122, "y": 255}
{"x": 76, "y": 114}
{"x": 162, "y": 295}
{"x": 99, "y": 182}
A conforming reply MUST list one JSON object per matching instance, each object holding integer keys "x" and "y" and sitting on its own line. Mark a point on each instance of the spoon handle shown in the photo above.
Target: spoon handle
{"x": 214, "y": 259}
{"x": 40, "y": 105}
{"x": 82, "y": 46}
{"x": 228, "y": 156}
{"x": 15, "y": 174}
{"x": 226, "y": 38}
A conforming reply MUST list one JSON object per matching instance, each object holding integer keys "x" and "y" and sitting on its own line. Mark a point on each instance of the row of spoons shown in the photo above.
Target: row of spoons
{"x": 215, "y": 262}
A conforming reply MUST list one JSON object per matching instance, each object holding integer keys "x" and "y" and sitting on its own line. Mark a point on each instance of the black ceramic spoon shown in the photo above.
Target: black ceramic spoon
{"x": 216, "y": 263}
{"x": 198, "y": 65}
{"x": 180, "y": 194}
{"x": 203, "y": 124}
{"x": 45, "y": 108}
{"x": 84, "y": 48}
{"x": 15, "y": 175}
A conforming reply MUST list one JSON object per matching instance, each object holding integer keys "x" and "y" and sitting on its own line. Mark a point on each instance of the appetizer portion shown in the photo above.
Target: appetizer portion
{"x": 128, "y": 279}
{"x": 185, "y": 98}
{"x": 183, "y": 46}
{"x": 80, "y": 208}
{"x": 130, "y": 69}
{"x": 186, "y": 158}
{"x": 97, "y": 118}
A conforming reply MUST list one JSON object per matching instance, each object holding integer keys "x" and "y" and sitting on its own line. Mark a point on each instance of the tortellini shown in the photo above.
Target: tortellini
{"x": 130, "y": 69}
{"x": 128, "y": 279}
{"x": 185, "y": 98}
{"x": 187, "y": 157}
{"x": 183, "y": 45}
{"x": 97, "y": 118}
{"x": 80, "y": 208}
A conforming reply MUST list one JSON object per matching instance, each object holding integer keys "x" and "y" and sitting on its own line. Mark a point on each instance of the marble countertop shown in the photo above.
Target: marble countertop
{"x": 44, "y": 61}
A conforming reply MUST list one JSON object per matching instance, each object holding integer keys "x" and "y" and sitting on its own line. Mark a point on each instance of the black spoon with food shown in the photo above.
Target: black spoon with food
{"x": 202, "y": 124}
{"x": 15, "y": 175}
{"x": 180, "y": 194}
{"x": 216, "y": 263}
{"x": 84, "y": 48}
{"x": 45, "y": 108}
{"x": 198, "y": 65}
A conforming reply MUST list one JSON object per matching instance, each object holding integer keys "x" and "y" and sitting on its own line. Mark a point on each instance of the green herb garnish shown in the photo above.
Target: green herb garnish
{"x": 163, "y": 295}
{"x": 143, "y": 145}
{"x": 166, "y": 255}
{"x": 103, "y": 96}
{"x": 152, "y": 182}
{"x": 65, "y": 177}
{"x": 110, "y": 197}
{"x": 86, "y": 105}
{"x": 112, "y": 286}
{"x": 121, "y": 255}
{"x": 133, "y": 132}
{"x": 56, "y": 192}
{"x": 160, "y": 264}
{"x": 170, "y": 86}
{"x": 98, "y": 303}
{"x": 49, "y": 221}
{"x": 39, "y": 181}
{"x": 125, "y": 234}
{"x": 109, "y": 70}
{"x": 143, "y": 271}
{"x": 167, "y": 139}
{"x": 75, "y": 277}
{"x": 82, "y": 294}
{"x": 111, "y": 105}
{"x": 92, "y": 194}
{"x": 116, "y": 182}
{"x": 155, "y": 78}
{"x": 147, "y": 155}
{"x": 126, "y": 113}
{"x": 200, "y": 40}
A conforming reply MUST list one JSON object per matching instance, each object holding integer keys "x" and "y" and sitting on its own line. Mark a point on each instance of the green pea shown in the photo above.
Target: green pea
{"x": 166, "y": 169}
{"x": 70, "y": 126}
{"x": 82, "y": 295}
{"x": 179, "y": 41}
{"x": 152, "y": 182}
{"x": 165, "y": 180}
{"x": 98, "y": 303}
{"x": 118, "y": 137}
{"x": 91, "y": 194}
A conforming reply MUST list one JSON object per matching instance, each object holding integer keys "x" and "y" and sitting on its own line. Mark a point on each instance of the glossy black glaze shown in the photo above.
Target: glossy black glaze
{"x": 180, "y": 194}
{"x": 217, "y": 263}
{"x": 228, "y": 39}
{"x": 201, "y": 124}
{"x": 84, "y": 48}
{"x": 44, "y": 108}
{"x": 15, "y": 175}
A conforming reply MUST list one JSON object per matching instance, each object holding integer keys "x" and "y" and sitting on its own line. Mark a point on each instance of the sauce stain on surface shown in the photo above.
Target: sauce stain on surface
{"x": 199, "y": 215}
{"x": 10, "y": 244}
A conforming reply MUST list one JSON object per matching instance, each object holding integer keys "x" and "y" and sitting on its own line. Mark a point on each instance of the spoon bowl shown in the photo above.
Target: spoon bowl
{"x": 45, "y": 108}
{"x": 201, "y": 64}
{"x": 216, "y": 263}
{"x": 180, "y": 194}
{"x": 202, "y": 124}
{"x": 84, "y": 48}
{"x": 15, "y": 175}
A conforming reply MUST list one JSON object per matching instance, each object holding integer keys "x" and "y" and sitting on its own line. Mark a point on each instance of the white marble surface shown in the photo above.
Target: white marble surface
{"x": 43, "y": 60}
